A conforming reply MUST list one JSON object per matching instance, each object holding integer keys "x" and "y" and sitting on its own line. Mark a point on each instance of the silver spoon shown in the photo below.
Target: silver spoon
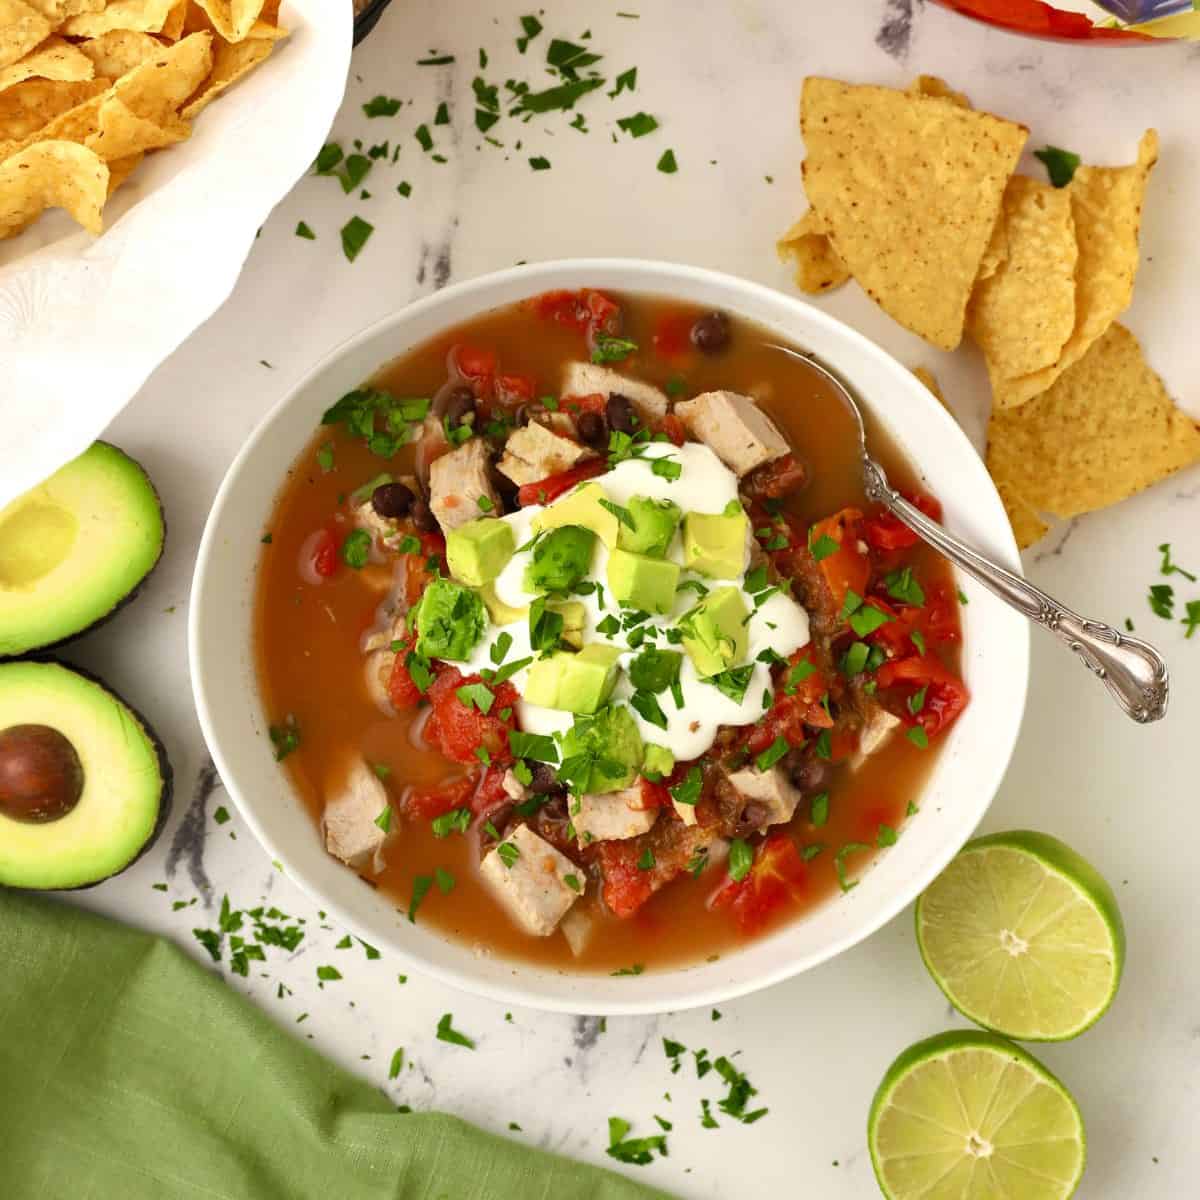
{"x": 1132, "y": 670}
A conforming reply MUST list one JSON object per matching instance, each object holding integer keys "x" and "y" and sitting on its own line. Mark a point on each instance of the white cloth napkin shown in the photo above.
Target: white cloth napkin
{"x": 84, "y": 321}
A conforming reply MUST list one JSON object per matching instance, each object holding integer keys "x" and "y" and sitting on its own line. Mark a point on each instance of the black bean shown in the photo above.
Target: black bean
{"x": 505, "y": 488}
{"x": 711, "y": 333}
{"x": 392, "y": 500}
{"x": 522, "y": 415}
{"x": 622, "y": 416}
{"x": 809, "y": 774}
{"x": 460, "y": 405}
{"x": 422, "y": 516}
{"x": 592, "y": 430}
{"x": 545, "y": 780}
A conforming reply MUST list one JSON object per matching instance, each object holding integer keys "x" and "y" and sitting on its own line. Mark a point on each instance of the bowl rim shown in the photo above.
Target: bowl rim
{"x": 679, "y": 995}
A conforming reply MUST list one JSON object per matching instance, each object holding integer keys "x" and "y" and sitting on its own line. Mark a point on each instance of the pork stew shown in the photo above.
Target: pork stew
{"x": 580, "y": 640}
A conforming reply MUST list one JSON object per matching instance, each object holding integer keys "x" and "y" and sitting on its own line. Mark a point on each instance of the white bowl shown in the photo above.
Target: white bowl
{"x": 966, "y": 776}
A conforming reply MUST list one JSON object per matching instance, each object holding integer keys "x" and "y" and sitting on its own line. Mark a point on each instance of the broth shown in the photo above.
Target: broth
{"x": 310, "y": 662}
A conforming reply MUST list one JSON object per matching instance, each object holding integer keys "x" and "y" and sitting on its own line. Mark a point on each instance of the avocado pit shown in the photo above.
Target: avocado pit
{"x": 41, "y": 777}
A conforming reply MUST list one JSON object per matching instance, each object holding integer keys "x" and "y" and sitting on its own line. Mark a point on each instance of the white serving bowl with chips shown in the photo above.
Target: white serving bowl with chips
{"x": 965, "y": 777}
{"x": 85, "y": 319}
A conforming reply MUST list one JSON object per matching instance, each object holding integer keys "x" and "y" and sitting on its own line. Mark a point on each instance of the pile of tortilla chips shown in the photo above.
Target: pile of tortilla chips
{"x": 89, "y": 87}
{"x": 914, "y": 194}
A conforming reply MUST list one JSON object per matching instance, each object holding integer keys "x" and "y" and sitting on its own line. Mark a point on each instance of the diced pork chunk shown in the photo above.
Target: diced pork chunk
{"x": 533, "y": 890}
{"x": 612, "y": 817}
{"x": 534, "y": 453}
{"x": 588, "y": 379}
{"x": 351, "y": 832}
{"x": 514, "y": 789}
{"x": 740, "y": 434}
{"x": 769, "y": 793}
{"x": 457, "y": 482}
{"x": 579, "y": 927}
{"x": 875, "y": 733}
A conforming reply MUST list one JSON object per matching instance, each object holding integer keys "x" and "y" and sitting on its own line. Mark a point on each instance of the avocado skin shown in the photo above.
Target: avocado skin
{"x": 34, "y": 652}
{"x": 165, "y": 770}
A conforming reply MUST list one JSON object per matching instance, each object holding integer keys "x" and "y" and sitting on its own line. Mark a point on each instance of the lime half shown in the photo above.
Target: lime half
{"x": 1023, "y": 936}
{"x": 970, "y": 1116}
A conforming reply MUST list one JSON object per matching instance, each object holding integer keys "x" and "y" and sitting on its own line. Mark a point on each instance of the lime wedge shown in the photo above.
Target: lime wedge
{"x": 969, "y": 1116}
{"x": 1023, "y": 936}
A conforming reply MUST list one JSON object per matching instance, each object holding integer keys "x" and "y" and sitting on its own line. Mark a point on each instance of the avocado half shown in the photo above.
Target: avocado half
{"x": 75, "y": 549}
{"x": 85, "y": 785}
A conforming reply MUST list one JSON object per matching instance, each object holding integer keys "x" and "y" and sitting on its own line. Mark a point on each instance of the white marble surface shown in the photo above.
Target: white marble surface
{"x": 723, "y": 76}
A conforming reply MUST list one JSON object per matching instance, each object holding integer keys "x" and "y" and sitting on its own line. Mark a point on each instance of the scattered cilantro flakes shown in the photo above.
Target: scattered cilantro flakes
{"x": 1060, "y": 164}
{"x": 1168, "y": 567}
{"x": 1162, "y": 600}
{"x": 447, "y": 1033}
{"x": 539, "y": 163}
{"x": 285, "y": 738}
{"x": 1192, "y": 618}
{"x": 638, "y": 125}
{"x": 439, "y": 60}
{"x": 625, "y": 82}
{"x": 220, "y": 816}
{"x": 420, "y": 889}
{"x": 328, "y": 974}
{"x": 382, "y": 106}
{"x": 635, "y": 1151}
{"x": 839, "y": 864}
{"x": 396, "y": 1065}
{"x": 633, "y": 969}
{"x": 667, "y": 164}
{"x": 355, "y": 233}
{"x": 442, "y": 116}
{"x": 304, "y": 231}
{"x": 741, "y": 859}
{"x": 404, "y": 188}
{"x": 424, "y": 137}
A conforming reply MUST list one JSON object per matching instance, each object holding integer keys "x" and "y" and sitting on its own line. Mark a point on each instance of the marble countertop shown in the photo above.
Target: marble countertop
{"x": 723, "y": 77}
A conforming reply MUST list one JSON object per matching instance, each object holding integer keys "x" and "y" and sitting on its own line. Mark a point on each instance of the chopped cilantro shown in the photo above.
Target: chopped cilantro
{"x": 540, "y": 163}
{"x": 285, "y": 738}
{"x": 420, "y": 888}
{"x": 447, "y": 1033}
{"x": 1060, "y": 164}
{"x": 818, "y": 812}
{"x": 823, "y": 547}
{"x": 355, "y": 233}
{"x": 773, "y": 753}
{"x": 667, "y": 164}
{"x": 328, "y": 974}
{"x": 356, "y": 549}
{"x": 839, "y": 864}
{"x": 303, "y": 231}
{"x": 1170, "y": 568}
{"x": 636, "y": 1151}
{"x": 741, "y": 859}
{"x": 608, "y": 348}
{"x": 638, "y": 125}
{"x": 382, "y": 106}
{"x": 918, "y": 737}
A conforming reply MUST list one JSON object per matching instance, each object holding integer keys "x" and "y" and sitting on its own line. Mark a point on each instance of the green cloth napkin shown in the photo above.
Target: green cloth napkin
{"x": 128, "y": 1071}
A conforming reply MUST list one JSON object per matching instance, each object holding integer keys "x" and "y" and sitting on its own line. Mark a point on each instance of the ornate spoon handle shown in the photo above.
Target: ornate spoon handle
{"x": 1132, "y": 670}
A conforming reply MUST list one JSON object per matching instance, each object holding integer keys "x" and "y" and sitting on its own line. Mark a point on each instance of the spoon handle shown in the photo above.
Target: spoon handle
{"x": 1132, "y": 670}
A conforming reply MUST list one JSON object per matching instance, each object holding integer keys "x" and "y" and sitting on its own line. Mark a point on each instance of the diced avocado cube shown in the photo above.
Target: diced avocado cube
{"x": 714, "y": 544}
{"x": 560, "y": 559}
{"x": 581, "y": 507}
{"x": 654, "y": 524}
{"x": 573, "y": 614}
{"x": 578, "y": 683}
{"x": 640, "y": 582}
{"x": 479, "y": 550}
{"x": 714, "y": 632}
{"x": 450, "y": 621}
{"x": 499, "y": 612}
{"x": 657, "y": 762}
{"x": 608, "y": 747}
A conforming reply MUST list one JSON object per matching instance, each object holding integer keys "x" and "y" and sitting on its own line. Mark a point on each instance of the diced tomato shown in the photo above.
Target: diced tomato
{"x": 946, "y": 695}
{"x": 777, "y": 879}
{"x": 417, "y": 577}
{"x": 847, "y": 568}
{"x": 427, "y": 803}
{"x": 512, "y": 390}
{"x": 595, "y": 403}
{"x": 402, "y": 691}
{"x": 789, "y": 714}
{"x": 625, "y": 886}
{"x": 546, "y": 490}
{"x": 323, "y": 553}
{"x": 672, "y": 334}
{"x": 433, "y": 545}
{"x": 585, "y": 310}
{"x": 490, "y": 794}
{"x": 779, "y": 477}
{"x": 476, "y": 364}
{"x": 936, "y": 621}
{"x": 887, "y": 532}
{"x": 673, "y": 427}
{"x": 459, "y": 730}
{"x": 654, "y": 795}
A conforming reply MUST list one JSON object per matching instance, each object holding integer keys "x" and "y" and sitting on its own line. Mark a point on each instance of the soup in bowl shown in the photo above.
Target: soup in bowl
{"x": 575, "y": 638}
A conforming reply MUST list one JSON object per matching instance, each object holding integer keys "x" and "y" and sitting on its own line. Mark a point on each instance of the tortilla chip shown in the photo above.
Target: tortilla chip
{"x": 21, "y": 29}
{"x": 157, "y": 88}
{"x": 929, "y": 379}
{"x": 53, "y": 59}
{"x": 172, "y": 28}
{"x": 1106, "y": 204}
{"x": 120, "y": 50}
{"x": 1103, "y": 431}
{"x": 1027, "y": 526}
{"x": 120, "y": 169}
{"x": 58, "y": 11}
{"x": 75, "y": 124}
{"x": 910, "y": 188}
{"x": 52, "y": 175}
{"x": 146, "y": 16}
{"x": 995, "y": 255}
{"x": 931, "y": 85}
{"x": 818, "y": 268}
{"x": 32, "y": 105}
{"x": 232, "y": 19}
{"x": 122, "y": 132}
{"x": 1022, "y": 315}
{"x": 230, "y": 62}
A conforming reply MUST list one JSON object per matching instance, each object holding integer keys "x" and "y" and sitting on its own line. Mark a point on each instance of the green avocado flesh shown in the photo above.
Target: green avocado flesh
{"x": 126, "y": 780}
{"x": 74, "y": 548}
